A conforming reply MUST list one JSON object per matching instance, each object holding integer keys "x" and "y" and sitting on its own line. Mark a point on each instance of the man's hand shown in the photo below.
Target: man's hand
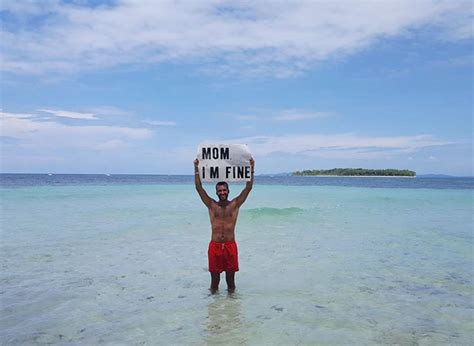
{"x": 196, "y": 164}
{"x": 252, "y": 164}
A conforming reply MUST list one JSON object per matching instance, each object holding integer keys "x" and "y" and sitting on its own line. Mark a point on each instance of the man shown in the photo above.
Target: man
{"x": 222, "y": 252}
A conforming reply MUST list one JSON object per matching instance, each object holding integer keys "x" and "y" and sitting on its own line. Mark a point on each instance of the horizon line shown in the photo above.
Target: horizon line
{"x": 177, "y": 174}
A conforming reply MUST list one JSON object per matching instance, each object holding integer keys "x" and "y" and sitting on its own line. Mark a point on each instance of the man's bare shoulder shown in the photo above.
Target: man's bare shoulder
{"x": 214, "y": 203}
{"x": 233, "y": 203}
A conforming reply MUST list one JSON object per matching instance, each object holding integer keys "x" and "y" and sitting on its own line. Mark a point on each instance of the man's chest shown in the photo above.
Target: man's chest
{"x": 224, "y": 212}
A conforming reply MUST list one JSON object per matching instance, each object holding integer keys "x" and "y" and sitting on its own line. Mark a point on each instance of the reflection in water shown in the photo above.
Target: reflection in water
{"x": 224, "y": 320}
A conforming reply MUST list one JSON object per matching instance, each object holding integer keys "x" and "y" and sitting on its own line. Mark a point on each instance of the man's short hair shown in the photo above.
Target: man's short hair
{"x": 222, "y": 183}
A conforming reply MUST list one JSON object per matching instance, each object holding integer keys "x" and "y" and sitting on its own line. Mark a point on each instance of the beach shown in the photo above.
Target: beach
{"x": 87, "y": 262}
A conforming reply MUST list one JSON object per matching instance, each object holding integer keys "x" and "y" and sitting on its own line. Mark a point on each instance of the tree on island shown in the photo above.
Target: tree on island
{"x": 358, "y": 172}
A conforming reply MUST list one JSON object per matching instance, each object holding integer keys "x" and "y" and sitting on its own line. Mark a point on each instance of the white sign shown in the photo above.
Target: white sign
{"x": 224, "y": 162}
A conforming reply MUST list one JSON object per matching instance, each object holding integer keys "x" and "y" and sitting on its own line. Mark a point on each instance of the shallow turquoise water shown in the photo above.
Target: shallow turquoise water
{"x": 126, "y": 264}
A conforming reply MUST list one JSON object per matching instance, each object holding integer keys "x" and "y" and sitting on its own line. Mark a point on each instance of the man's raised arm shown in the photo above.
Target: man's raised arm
{"x": 248, "y": 186}
{"x": 197, "y": 181}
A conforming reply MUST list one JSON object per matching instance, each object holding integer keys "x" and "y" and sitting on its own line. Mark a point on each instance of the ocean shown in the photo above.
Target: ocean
{"x": 122, "y": 260}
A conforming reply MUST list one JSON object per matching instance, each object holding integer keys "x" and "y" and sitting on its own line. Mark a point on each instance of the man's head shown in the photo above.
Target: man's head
{"x": 222, "y": 190}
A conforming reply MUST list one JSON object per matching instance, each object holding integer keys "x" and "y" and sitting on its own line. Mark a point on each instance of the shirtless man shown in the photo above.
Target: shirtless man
{"x": 222, "y": 252}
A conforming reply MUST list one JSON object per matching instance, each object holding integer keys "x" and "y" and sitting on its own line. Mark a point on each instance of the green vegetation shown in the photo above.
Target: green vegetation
{"x": 358, "y": 172}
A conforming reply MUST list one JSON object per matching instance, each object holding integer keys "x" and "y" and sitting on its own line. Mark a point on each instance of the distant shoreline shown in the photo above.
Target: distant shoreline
{"x": 356, "y": 172}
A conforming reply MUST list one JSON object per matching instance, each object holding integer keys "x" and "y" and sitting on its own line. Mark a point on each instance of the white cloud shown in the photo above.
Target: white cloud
{"x": 160, "y": 123}
{"x": 257, "y": 38}
{"x": 110, "y": 111}
{"x": 299, "y": 114}
{"x": 68, "y": 114}
{"x": 339, "y": 146}
{"x": 16, "y": 115}
{"x": 293, "y": 114}
{"x": 34, "y": 134}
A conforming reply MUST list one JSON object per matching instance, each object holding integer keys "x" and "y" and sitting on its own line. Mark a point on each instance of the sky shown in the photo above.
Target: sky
{"x": 134, "y": 86}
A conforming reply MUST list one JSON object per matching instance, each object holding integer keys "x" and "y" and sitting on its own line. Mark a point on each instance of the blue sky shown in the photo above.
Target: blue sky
{"x": 135, "y": 86}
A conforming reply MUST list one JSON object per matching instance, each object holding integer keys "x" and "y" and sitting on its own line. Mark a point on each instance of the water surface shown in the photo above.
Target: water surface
{"x": 357, "y": 262}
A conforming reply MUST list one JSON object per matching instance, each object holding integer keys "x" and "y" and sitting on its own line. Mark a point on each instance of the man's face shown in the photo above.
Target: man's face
{"x": 222, "y": 192}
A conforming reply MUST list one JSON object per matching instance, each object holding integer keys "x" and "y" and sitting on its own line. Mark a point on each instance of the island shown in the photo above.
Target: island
{"x": 357, "y": 172}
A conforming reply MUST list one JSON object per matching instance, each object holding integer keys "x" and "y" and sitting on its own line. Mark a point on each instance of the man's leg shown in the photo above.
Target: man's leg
{"x": 229, "y": 277}
{"x": 215, "y": 278}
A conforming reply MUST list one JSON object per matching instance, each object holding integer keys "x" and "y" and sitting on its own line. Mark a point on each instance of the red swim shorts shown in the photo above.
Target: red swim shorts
{"x": 223, "y": 257}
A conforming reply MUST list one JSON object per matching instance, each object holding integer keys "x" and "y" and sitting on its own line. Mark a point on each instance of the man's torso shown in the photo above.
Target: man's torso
{"x": 223, "y": 219}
